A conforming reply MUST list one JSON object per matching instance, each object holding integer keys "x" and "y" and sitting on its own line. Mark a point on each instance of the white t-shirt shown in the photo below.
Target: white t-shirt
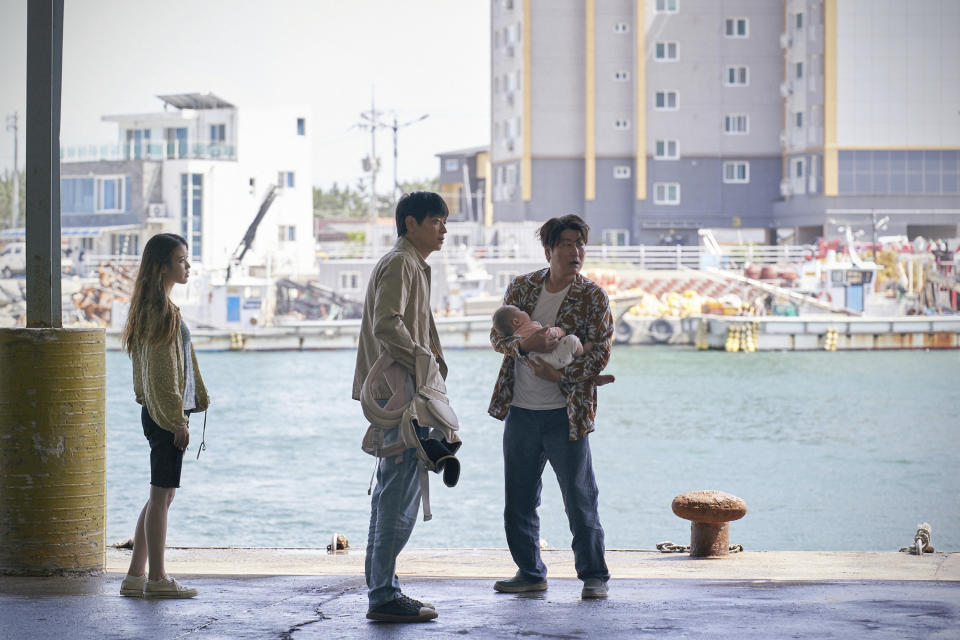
{"x": 529, "y": 391}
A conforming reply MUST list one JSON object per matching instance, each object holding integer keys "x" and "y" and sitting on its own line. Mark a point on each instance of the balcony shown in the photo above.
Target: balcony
{"x": 155, "y": 151}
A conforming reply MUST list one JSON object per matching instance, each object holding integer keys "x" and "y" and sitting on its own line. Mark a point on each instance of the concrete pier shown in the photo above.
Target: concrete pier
{"x": 307, "y": 593}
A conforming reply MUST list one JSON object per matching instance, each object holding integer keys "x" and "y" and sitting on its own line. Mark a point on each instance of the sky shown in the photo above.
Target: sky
{"x": 416, "y": 56}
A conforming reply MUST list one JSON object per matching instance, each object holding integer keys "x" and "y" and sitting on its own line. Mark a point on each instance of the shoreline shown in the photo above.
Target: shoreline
{"x": 625, "y": 564}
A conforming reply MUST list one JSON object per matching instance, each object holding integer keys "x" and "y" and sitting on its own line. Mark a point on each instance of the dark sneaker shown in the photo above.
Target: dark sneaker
{"x": 519, "y": 584}
{"x": 421, "y": 603}
{"x": 402, "y": 609}
{"x": 593, "y": 588}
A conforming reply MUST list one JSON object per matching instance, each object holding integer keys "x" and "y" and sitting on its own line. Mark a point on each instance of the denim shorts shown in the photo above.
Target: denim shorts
{"x": 166, "y": 460}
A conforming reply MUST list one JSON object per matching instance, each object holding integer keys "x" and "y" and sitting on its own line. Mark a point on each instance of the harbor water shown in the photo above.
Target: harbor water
{"x": 830, "y": 451}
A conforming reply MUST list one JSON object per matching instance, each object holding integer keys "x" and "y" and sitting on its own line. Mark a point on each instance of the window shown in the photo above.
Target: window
{"x": 666, "y": 100}
{"x": 798, "y": 119}
{"x": 798, "y": 70}
{"x": 736, "y": 28}
{"x": 76, "y": 195}
{"x": 191, "y": 212}
{"x": 510, "y": 177}
{"x": 616, "y": 237}
{"x": 798, "y": 168}
{"x": 736, "y": 124}
{"x": 285, "y": 179}
{"x": 111, "y": 196}
{"x": 621, "y": 172}
{"x": 736, "y": 172}
{"x": 666, "y": 6}
{"x": 287, "y": 233}
{"x": 799, "y": 21}
{"x": 667, "y": 150}
{"x": 621, "y": 76}
{"x": 451, "y": 164}
{"x": 665, "y": 51}
{"x": 621, "y": 124}
{"x": 666, "y": 193}
{"x": 176, "y": 142}
{"x": 253, "y": 186}
{"x": 812, "y": 177}
{"x": 349, "y": 281}
{"x": 735, "y": 76}
{"x": 218, "y": 132}
{"x": 621, "y": 27}
{"x": 138, "y": 142}
{"x": 301, "y": 126}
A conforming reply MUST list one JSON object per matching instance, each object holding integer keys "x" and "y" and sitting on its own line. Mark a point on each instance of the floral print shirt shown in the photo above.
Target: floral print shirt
{"x": 584, "y": 312}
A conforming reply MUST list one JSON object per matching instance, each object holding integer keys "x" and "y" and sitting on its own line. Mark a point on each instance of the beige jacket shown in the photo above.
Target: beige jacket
{"x": 159, "y": 379}
{"x": 396, "y": 313}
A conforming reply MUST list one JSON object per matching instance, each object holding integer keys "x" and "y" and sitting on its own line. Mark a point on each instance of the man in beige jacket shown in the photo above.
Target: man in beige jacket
{"x": 397, "y": 318}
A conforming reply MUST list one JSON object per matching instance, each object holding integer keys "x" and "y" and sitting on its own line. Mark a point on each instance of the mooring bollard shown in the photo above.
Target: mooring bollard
{"x": 710, "y": 513}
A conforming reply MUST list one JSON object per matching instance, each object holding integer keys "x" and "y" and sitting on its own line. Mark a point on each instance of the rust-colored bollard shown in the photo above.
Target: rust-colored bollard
{"x": 710, "y": 513}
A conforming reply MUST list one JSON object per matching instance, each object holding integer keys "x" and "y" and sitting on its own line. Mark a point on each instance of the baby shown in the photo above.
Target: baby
{"x": 513, "y": 321}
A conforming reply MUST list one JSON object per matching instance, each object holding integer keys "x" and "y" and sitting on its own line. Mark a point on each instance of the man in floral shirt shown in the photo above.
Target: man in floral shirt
{"x": 549, "y": 412}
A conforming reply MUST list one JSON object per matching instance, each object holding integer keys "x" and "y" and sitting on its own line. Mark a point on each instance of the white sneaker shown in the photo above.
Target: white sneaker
{"x": 132, "y": 586}
{"x": 167, "y": 587}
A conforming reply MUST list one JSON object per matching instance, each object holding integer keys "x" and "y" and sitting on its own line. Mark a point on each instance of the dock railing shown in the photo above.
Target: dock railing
{"x": 638, "y": 256}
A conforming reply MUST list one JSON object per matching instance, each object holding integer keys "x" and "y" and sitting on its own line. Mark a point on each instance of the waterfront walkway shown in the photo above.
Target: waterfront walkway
{"x": 307, "y": 593}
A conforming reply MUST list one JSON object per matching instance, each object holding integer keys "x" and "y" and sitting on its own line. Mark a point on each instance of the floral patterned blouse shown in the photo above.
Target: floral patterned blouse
{"x": 584, "y": 312}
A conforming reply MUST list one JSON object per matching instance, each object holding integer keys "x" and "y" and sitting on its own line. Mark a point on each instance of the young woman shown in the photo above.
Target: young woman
{"x": 167, "y": 383}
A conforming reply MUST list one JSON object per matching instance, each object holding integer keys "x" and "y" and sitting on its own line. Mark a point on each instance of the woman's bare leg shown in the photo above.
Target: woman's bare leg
{"x": 138, "y": 561}
{"x": 155, "y": 529}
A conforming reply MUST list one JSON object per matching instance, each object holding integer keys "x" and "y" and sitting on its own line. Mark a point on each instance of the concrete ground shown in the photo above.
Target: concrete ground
{"x": 307, "y": 593}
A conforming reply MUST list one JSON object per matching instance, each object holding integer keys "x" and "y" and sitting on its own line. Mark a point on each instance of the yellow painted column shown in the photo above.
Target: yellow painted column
{"x": 526, "y": 180}
{"x": 590, "y": 102}
{"x": 641, "y": 79}
{"x": 52, "y": 451}
{"x": 830, "y": 97}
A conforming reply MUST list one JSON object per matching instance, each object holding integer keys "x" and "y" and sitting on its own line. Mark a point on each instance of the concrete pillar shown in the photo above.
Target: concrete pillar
{"x": 52, "y": 451}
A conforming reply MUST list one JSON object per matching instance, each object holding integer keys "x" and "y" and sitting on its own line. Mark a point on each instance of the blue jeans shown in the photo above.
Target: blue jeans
{"x": 530, "y": 439}
{"x": 393, "y": 512}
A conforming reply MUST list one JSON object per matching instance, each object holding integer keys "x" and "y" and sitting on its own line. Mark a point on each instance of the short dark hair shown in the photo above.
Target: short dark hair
{"x": 419, "y": 204}
{"x": 551, "y": 230}
{"x": 502, "y": 318}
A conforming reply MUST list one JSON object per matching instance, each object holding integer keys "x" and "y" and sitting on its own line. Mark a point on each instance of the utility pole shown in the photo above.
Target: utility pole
{"x": 396, "y": 127}
{"x": 371, "y": 164}
{"x": 12, "y": 126}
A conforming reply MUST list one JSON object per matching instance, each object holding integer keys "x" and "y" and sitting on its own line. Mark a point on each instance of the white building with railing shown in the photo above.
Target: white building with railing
{"x": 202, "y": 168}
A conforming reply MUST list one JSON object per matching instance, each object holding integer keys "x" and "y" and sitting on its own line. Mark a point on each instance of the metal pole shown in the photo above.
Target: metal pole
{"x": 44, "y": 68}
{"x": 13, "y": 125}
{"x": 373, "y": 160}
{"x": 395, "y": 127}
{"x": 873, "y": 219}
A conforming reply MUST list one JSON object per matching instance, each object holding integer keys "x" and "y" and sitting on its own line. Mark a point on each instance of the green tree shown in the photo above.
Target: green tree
{"x": 424, "y": 184}
{"x": 339, "y": 202}
{"x": 354, "y": 202}
{"x": 6, "y": 200}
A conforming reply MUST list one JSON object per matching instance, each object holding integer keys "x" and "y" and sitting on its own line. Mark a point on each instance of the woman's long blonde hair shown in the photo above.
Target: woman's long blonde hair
{"x": 153, "y": 318}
